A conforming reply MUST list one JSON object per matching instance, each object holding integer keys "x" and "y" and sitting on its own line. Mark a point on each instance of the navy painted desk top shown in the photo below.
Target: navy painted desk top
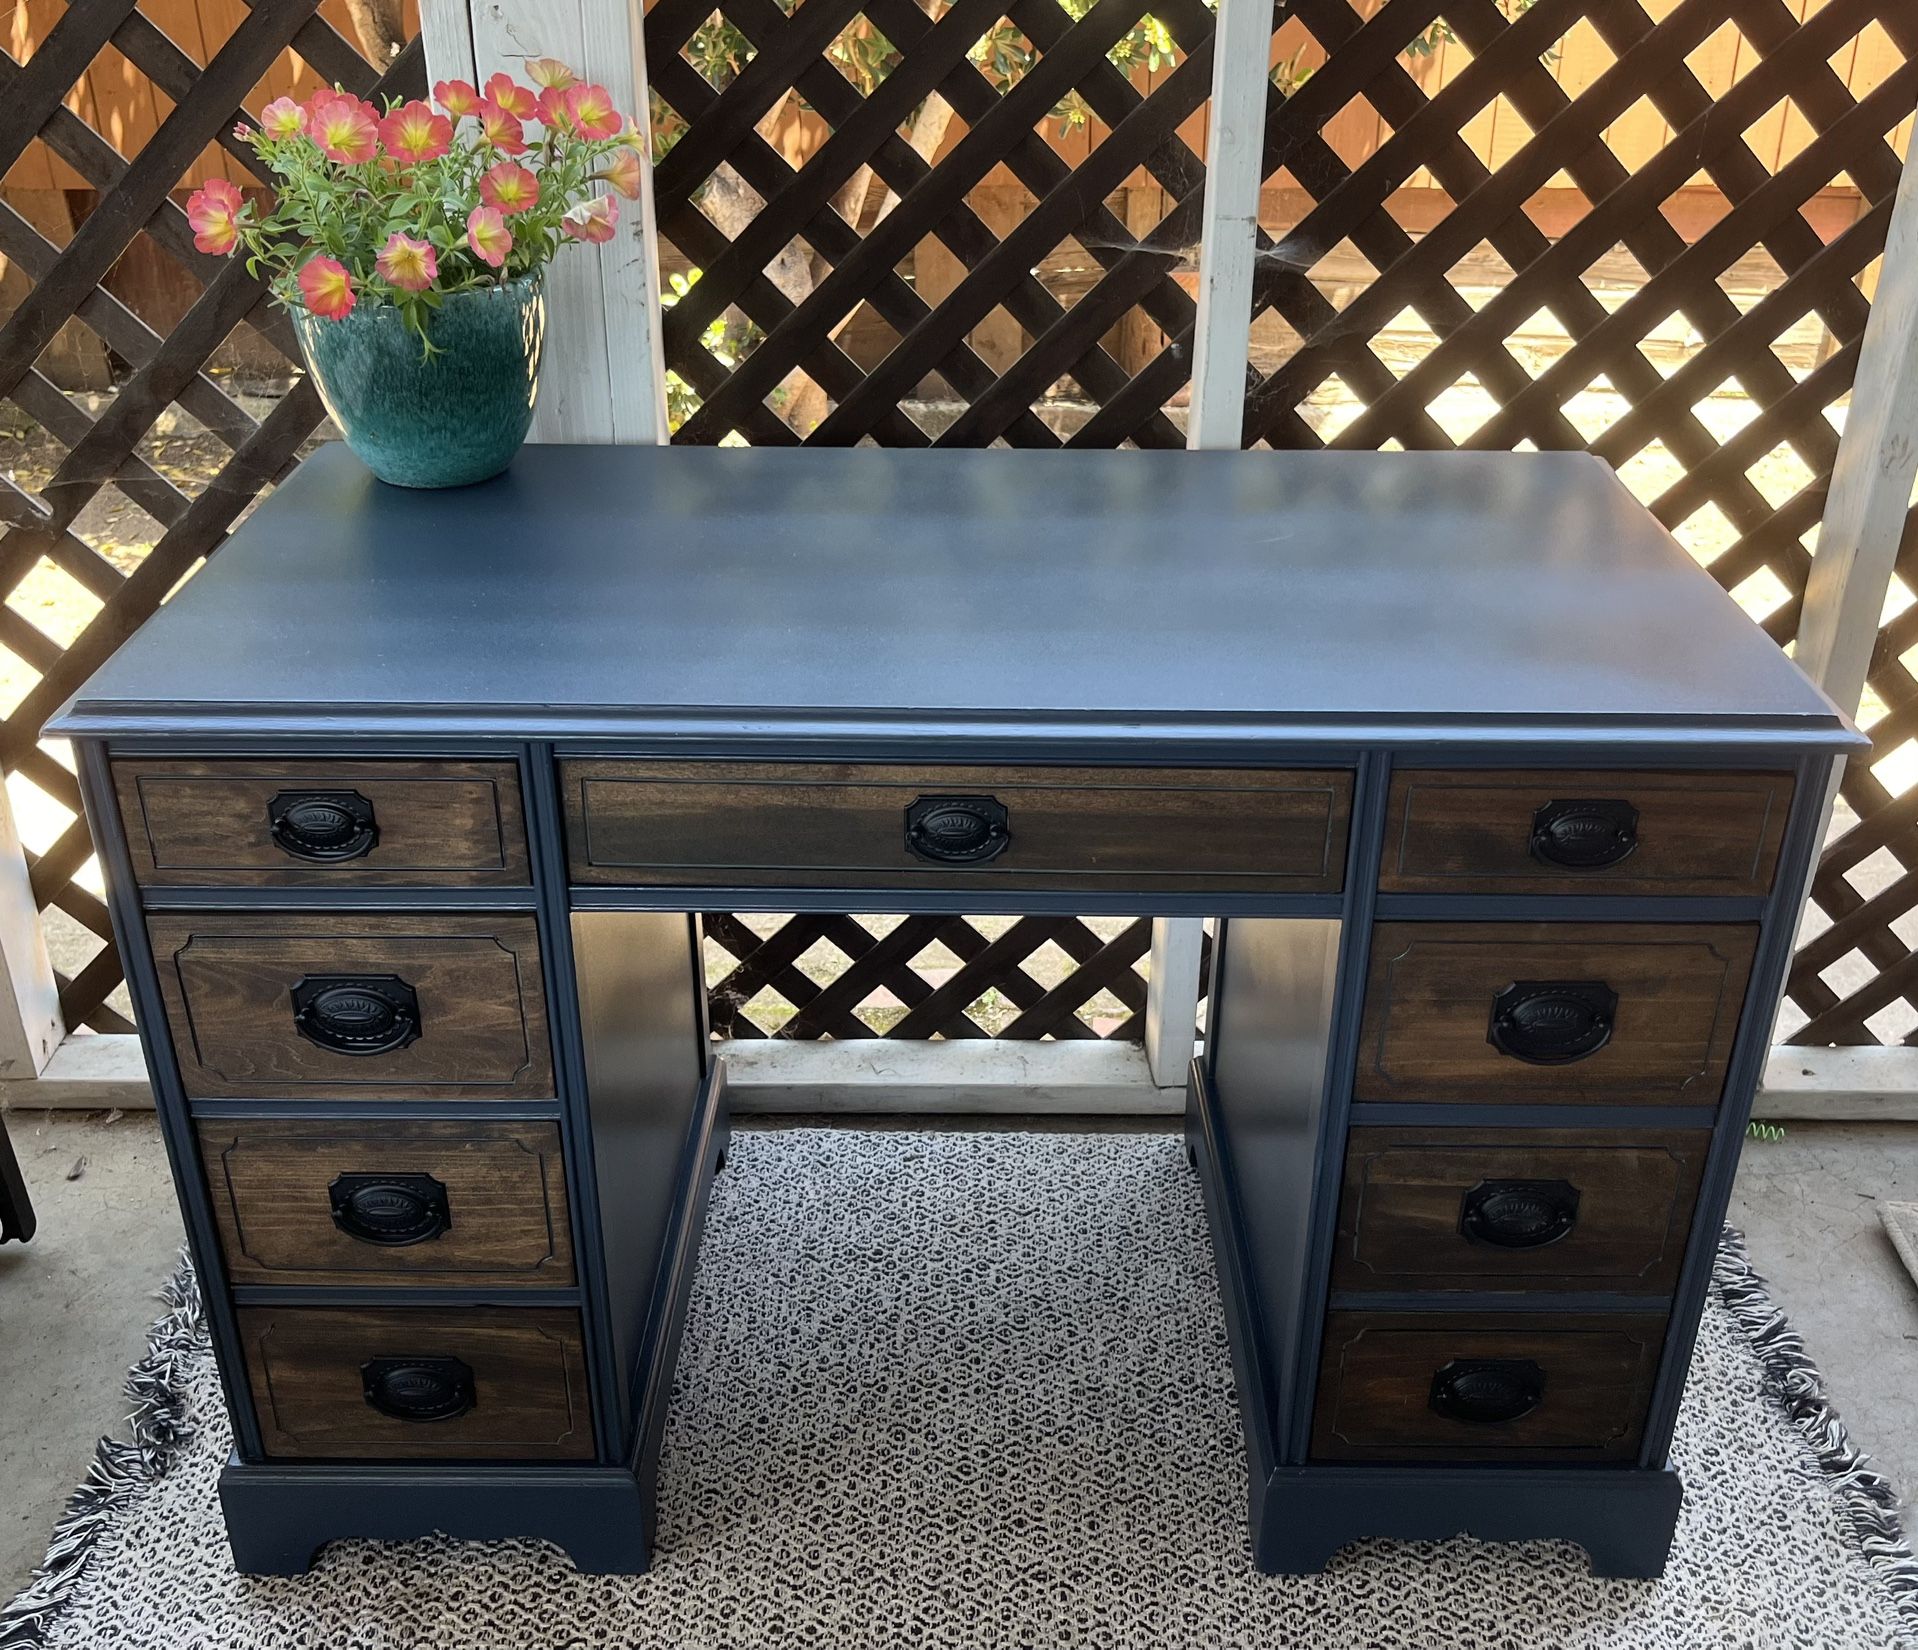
{"x": 860, "y": 595}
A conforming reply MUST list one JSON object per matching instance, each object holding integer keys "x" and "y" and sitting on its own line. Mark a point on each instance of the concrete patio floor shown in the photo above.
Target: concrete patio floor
{"x": 75, "y": 1303}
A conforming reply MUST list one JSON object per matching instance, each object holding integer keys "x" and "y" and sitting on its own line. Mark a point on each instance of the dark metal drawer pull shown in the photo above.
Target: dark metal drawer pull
{"x": 1552, "y": 1022}
{"x": 1519, "y": 1214}
{"x": 957, "y": 830}
{"x": 418, "y": 1389}
{"x": 1585, "y": 835}
{"x": 391, "y": 1210}
{"x": 324, "y": 827}
{"x": 356, "y": 1013}
{"x": 1488, "y": 1391}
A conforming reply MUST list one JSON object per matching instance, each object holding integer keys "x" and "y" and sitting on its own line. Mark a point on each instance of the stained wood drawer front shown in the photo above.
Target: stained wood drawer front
{"x": 1161, "y": 829}
{"x": 1501, "y": 1387}
{"x": 1562, "y": 832}
{"x": 1544, "y": 1013}
{"x": 418, "y": 1383}
{"x": 414, "y": 1202}
{"x": 276, "y": 1006}
{"x": 1544, "y": 1209}
{"x": 286, "y": 824}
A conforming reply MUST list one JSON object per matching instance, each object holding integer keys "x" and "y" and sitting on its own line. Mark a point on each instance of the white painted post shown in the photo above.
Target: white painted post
{"x": 1871, "y": 482}
{"x": 603, "y": 378}
{"x": 30, "y": 1024}
{"x": 1228, "y": 249}
{"x": 1864, "y": 522}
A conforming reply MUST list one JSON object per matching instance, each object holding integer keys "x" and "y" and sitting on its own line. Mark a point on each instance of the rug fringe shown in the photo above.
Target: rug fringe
{"x": 1867, "y": 1503}
{"x": 122, "y": 1467}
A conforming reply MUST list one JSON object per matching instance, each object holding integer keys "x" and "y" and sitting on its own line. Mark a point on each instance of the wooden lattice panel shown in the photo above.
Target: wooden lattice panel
{"x": 108, "y": 448}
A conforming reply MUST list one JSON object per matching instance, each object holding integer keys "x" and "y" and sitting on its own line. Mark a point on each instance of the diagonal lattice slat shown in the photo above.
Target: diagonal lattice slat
{"x": 103, "y": 448}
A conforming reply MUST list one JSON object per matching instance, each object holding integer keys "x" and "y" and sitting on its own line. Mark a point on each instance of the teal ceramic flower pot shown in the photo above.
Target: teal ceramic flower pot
{"x": 444, "y": 420}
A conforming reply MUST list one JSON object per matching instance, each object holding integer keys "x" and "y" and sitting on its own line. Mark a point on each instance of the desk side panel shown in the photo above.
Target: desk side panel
{"x": 640, "y": 1028}
{"x": 1272, "y": 1024}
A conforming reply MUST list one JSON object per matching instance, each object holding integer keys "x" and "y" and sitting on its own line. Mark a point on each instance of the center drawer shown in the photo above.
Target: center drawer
{"x": 419, "y": 1202}
{"x": 279, "y": 1006}
{"x": 418, "y": 1383}
{"x": 863, "y": 826}
{"x": 1511, "y": 1209}
{"x": 1552, "y": 1013}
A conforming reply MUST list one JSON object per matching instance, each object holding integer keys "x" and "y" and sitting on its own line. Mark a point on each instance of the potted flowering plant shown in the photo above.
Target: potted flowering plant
{"x": 408, "y": 248}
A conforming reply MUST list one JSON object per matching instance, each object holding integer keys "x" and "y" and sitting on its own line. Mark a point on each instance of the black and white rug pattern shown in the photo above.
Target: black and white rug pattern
{"x": 972, "y": 1390}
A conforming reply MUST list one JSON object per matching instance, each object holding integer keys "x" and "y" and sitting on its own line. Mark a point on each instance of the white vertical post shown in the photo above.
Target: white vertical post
{"x": 30, "y": 1024}
{"x": 603, "y": 377}
{"x": 1867, "y": 505}
{"x": 1871, "y": 482}
{"x": 1228, "y": 247}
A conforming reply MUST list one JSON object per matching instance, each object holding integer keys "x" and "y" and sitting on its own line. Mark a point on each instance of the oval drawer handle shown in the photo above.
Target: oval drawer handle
{"x": 323, "y": 827}
{"x": 1552, "y": 1022}
{"x": 1519, "y": 1214}
{"x": 957, "y": 830}
{"x": 1584, "y": 835}
{"x": 391, "y": 1210}
{"x": 1488, "y": 1391}
{"x": 418, "y": 1389}
{"x": 356, "y": 1013}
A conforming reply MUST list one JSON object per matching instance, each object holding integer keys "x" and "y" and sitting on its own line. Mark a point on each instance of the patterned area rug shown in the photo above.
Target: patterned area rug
{"x": 972, "y": 1390}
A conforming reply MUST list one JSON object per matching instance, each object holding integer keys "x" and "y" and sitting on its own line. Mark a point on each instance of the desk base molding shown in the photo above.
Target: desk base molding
{"x": 278, "y": 1518}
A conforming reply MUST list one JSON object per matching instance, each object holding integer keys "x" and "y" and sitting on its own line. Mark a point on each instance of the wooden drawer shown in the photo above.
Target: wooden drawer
{"x": 1450, "y": 1005}
{"x": 418, "y": 1383}
{"x": 1155, "y": 829}
{"x": 286, "y": 824}
{"x": 1459, "y": 831}
{"x": 1544, "y": 1209}
{"x": 278, "y": 1006}
{"x": 1440, "y": 1386}
{"x": 368, "y": 1202}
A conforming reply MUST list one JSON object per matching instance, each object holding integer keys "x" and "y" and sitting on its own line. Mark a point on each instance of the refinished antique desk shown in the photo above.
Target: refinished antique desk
{"x": 409, "y": 804}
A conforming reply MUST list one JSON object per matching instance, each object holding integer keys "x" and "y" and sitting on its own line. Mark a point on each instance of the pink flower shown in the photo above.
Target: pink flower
{"x": 622, "y": 171}
{"x": 592, "y": 220}
{"x": 510, "y": 187}
{"x": 214, "y": 212}
{"x": 408, "y": 264}
{"x": 282, "y": 118}
{"x": 549, "y": 71}
{"x": 413, "y": 132}
{"x": 511, "y": 96}
{"x": 327, "y": 288}
{"x": 502, "y": 129}
{"x": 553, "y": 110}
{"x": 346, "y": 129}
{"x": 488, "y": 236}
{"x": 457, "y": 97}
{"x": 592, "y": 111}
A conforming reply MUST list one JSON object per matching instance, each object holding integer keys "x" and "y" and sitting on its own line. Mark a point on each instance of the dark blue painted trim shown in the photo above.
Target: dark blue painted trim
{"x": 169, "y": 1095}
{"x": 768, "y": 731}
{"x": 1797, "y": 859}
{"x": 546, "y": 835}
{"x": 1412, "y": 1114}
{"x": 279, "y": 1516}
{"x": 964, "y": 901}
{"x": 1364, "y": 850}
{"x": 466, "y": 1111}
{"x": 340, "y": 899}
{"x": 1566, "y": 908}
{"x": 652, "y": 1376}
{"x": 1211, "y": 1157}
{"x": 1492, "y": 1300}
{"x": 305, "y": 1294}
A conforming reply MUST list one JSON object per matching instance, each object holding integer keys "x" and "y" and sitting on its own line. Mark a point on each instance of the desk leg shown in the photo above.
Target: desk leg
{"x": 17, "y": 1221}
